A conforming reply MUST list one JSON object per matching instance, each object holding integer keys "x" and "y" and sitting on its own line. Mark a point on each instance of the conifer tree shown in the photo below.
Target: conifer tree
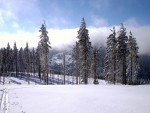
{"x": 76, "y": 61}
{"x": 27, "y": 61}
{"x": 121, "y": 54}
{"x": 64, "y": 67}
{"x": 21, "y": 60}
{"x": 8, "y": 58}
{"x": 1, "y": 59}
{"x": 15, "y": 57}
{"x": 110, "y": 58}
{"x": 132, "y": 59}
{"x": 44, "y": 46}
{"x": 33, "y": 61}
{"x": 84, "y": 53}
{"x": 95, "y": 61}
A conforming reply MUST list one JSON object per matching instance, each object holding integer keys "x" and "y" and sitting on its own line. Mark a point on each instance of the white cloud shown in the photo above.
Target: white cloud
{"x": 58, "y": 38}
{"x": 20, "y": 38}
{"x": 99, "y": 35}
{"x": 19, "y": 11}
{"x": 142, "y": 34}
{"x": 62, "y": 37}
{"x": 6, "y": 16}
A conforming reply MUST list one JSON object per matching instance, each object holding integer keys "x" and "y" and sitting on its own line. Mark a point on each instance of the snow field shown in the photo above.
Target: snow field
{"x": 79, "y": 99}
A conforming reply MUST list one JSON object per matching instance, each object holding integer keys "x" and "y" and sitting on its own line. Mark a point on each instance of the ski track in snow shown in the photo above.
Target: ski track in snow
{"x": 4, "y": 101}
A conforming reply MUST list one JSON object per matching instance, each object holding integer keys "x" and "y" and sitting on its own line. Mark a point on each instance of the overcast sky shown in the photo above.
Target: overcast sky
{"x": 20, "y": 20}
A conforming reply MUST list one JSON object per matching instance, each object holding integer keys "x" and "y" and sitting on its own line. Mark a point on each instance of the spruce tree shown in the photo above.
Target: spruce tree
{"x": 95, "y": 61}
{"x": 27, "y": 61}
{"x": 44, "y": 46}
{"x": 84, "y": 51}
{"x": 76, "y": 61}
{"x": 121, "y": 54}
{"x": 64, "y": 67}
{"x": 37, "y": 63}
{"x": 21, "y": 60}
{"x": 132, "y": 59}
{"x": 33, "y": 61}
{"x": 110, "y": 58}
{"x": 8, "y": 58}
{"x": 15, "y": 57}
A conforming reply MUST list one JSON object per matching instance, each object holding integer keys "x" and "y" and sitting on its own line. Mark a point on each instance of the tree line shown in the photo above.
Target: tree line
{"x": 17, "y": 61}
{"x": 121, "y": 63}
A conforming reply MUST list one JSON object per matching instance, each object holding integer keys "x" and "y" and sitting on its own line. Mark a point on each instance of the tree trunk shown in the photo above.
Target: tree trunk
{"x": 130, "y": 76}
{"x": 114, "y": 71}
{"x": 64, "y": 67}
{"x": 124, "y": 71}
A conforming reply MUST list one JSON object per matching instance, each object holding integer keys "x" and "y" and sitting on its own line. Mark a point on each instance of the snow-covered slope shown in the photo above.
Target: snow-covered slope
{"x": 58, "y": 58}
{"x": 79, "y": 99}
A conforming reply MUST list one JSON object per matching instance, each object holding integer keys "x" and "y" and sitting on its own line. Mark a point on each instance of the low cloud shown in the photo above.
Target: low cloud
{"x": 20, "y": 38}
{"x": 61, "y": 38}
{"x": 142, "y": 35}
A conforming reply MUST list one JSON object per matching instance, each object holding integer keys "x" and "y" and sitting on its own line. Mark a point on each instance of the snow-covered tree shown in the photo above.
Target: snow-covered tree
{"x": 64, "y": 66}
{"x": 44, "y": 46}
{"x": 121, "y": 55}
{"x": 37, "y": 62}
{"x": 94, "y": 65}
{"x": 21, "y": 58}
{"x": 27, "y": 60}
{"x": 3, "y": 64}
{"x": 110, "y": 58}
{"x": 33, "y": 61}
{"x": 15, "y": 57}
{"x": 76, "y": 61}
{"x": 8, "y": 58}
{"x": 84, "y": 51}
{"x": 132, "y": 60}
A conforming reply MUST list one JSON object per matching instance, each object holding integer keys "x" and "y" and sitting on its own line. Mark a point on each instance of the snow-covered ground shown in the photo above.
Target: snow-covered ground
{"x": 34, "y": 80}
{"x": 78, "y": 98}
{"x": 18, "y": 97}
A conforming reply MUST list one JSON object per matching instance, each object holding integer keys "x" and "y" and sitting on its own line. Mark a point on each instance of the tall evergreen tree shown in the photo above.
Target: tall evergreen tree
{"x": 121, "y": 54}
{"x": 15, "y": 57}
{"x": 1, "y": 59}
{"x": 84, "y": 53}
{"x": 44, "y": 46}
{"x": 8, "y": 58}
{"x": 33, "y": 61}
{"x": 21, "y": 58}
{"x": 11, "y": 60}
{"x": 64, "y": 66}
{"x": 37, "y": 62}
{"x": 132, "y": 59}
{"x": 110, "y": 58}
{"x": 95, "y": 61}
{"x": 4, "y": 66}
{"x": 76, "y": 61}
{"x": 27, "y": 61}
